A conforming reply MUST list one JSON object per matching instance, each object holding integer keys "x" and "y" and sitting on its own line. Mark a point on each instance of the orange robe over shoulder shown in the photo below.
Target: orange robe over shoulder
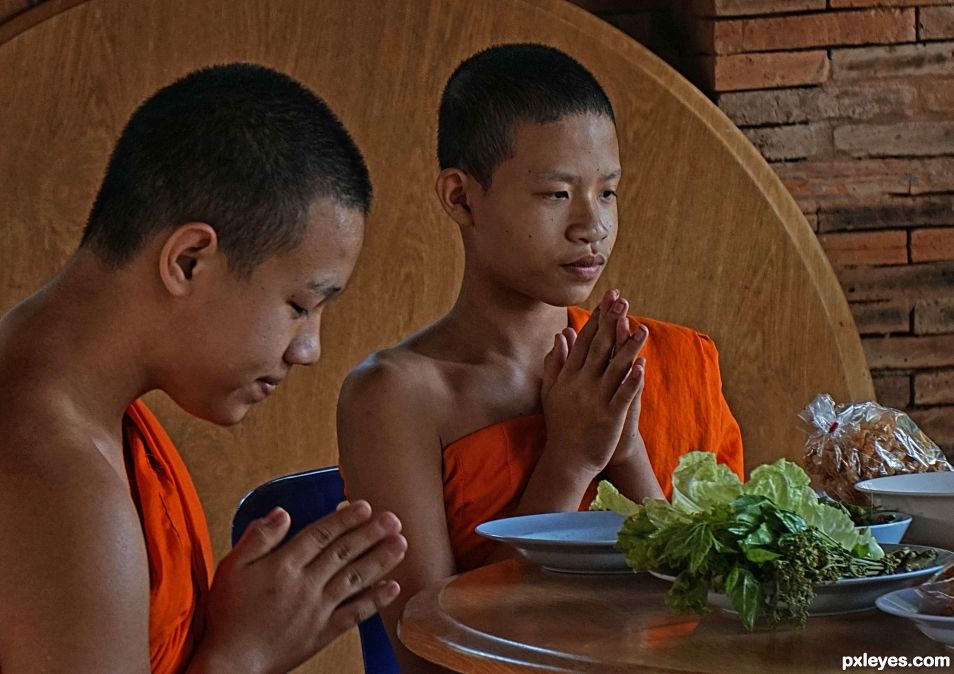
{"x": 177, "y": 540}
{"x": 683, "y": 409}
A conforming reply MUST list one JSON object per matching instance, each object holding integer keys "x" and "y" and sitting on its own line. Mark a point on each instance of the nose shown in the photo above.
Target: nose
{"x": 590, "y": 220}
{"x": 305, "y": 347}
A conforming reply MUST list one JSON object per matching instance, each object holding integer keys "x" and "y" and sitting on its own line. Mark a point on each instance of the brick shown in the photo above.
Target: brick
{"x": 861, "y": 102}
{"x": 846, "y": 182}
{"x": 882, "y": 317}
{"x": 853, "y": 182}
{"x": 935, "y": 23}
{"x": 752, "y": 7}
{"x": 934, "y": 317}
{"x": 932, "y": 280}
{"x": 933, "y": 388}
{"x": 837, "y": 4}
{"x": 914, "y": 60}
{"x": 888, "y": 213}
{"x": 932, "y": 175}
{"x": 868, "y": 248}
{"x": 796, "y": 141}
{"x": 738, "y": 72}
{"x": 904, "y": 353}
{"x": 938, "y": 424}
{"x": 936, "y": 94}
{"x": 892, "y": 390}
{"x": 874, "y": 26}
{"x": 894, "y": 140}
{"x": 928, "y": 245}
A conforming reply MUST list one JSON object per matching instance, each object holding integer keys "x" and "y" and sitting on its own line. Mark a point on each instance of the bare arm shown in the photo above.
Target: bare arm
{"x": 74, "y": 580}
{"x": 391, "y": 456}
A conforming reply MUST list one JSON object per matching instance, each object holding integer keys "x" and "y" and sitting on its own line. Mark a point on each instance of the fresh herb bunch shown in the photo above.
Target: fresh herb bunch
{"x": 765, "y": 544}
{"x": 767, "y": 560}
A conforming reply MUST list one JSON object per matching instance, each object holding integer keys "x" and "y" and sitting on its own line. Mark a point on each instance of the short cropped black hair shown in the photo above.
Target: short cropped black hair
{"x": 241, "y": 147}
{"x": 496, "y": 88}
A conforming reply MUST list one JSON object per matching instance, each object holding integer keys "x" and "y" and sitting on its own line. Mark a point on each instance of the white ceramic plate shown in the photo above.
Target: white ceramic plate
{"x": 850, "y": 595}
{"x": 904, "y": 603}
{"x": 577, "y": 542}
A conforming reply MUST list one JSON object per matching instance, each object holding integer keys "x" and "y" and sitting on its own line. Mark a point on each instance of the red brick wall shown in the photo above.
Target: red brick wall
{"x": 852, "y": 103}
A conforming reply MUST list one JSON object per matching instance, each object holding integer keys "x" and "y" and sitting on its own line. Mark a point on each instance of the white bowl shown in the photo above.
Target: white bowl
{"x": 889, "y": 532}
{"x": 904, "y": 603}
{"x": 929, "y": 497}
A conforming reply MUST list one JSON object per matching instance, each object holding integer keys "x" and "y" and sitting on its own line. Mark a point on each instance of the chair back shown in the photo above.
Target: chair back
{"x": 307, "y": 497}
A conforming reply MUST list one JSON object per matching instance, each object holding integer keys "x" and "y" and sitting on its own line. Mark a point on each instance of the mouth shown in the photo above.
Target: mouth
{"x": 587, "y": 267}
{"x": 268, "y": 384}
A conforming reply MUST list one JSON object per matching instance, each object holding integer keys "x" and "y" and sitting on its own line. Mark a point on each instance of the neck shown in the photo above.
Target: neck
{"x": 84, "y": 333}
{"x": 489, "y": 320}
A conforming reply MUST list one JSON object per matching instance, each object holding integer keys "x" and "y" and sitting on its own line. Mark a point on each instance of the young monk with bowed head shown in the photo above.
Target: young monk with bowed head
{"x": 516, "y": 401}
{"x": 231, "y": 213}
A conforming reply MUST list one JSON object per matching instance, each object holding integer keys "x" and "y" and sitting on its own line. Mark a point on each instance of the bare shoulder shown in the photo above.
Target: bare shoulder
{"x": 55, "y": 471}
{"x": 393, "y": 383}
{"x": 389, "y": 411}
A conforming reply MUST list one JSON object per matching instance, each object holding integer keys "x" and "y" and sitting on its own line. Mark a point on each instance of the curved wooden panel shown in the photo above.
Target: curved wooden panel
{"x": 709, "y": 237}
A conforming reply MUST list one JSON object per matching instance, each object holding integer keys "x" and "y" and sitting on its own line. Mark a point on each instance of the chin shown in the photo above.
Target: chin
{"x": 567, "y": 296}
{"x": 220, "y": 415}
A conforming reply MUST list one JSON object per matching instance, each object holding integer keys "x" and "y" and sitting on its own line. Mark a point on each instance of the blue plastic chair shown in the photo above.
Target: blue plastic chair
{"x": 307, "y": 497}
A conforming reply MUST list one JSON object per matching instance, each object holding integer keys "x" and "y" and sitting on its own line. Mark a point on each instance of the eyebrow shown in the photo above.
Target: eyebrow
{"x": 325, "y": 288}
{"x": 559, "y": 176}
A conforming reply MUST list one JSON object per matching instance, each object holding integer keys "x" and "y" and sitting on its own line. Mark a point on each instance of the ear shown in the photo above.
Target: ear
{"x": 189, "y": 250}
{"x": 453, "y": 188}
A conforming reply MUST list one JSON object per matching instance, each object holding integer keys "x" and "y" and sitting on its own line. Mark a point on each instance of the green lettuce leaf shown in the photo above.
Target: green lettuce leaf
{"x": 788, "y": 486}
{"x": 609, "y": 498}
{"x": 698, "y": 483}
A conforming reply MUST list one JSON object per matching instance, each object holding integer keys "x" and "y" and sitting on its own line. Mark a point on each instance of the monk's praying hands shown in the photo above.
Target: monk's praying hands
{"x": 589, "y": 385}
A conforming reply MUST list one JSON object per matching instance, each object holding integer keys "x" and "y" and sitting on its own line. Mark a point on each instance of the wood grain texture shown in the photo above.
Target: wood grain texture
{"x": 709, "y": 237}
{"x": 514, "y": 617}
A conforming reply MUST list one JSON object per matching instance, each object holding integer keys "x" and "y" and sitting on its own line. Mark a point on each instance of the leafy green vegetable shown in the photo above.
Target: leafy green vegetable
{"x": 789, "y": 487}
{"x": 765, "y": 544}
{"x": 609, "y": 498}
{"x": 699, "y": 482}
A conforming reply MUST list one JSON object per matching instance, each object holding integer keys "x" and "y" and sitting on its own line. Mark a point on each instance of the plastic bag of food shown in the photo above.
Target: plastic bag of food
{"x": 937, "y": 593}
{"x": 858, "y": 441}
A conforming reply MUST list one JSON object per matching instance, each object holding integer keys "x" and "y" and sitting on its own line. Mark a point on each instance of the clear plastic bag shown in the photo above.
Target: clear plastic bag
{"x": 937, "y": 593}
{"x": 858, "y": 441}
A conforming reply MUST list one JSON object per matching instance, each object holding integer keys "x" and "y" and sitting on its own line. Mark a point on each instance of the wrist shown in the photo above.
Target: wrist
{"x": 566, "y": 475}
{"x": 208, "y": 660}
{"x": 631, "y": 452}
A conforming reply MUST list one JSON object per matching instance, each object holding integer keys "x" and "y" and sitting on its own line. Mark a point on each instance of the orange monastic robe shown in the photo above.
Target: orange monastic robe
{"x": 683, "y": 409}
{"x": 177, "y": 540}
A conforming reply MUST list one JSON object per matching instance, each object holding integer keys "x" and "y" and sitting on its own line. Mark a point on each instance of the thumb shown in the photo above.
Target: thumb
{"x": 261, "y": 537}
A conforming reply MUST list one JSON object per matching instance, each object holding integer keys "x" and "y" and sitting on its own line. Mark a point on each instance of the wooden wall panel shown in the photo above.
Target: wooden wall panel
{"x": 709, "y": 237}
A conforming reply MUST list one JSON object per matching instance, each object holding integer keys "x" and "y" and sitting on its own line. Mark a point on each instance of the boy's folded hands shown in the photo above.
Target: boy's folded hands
{"x": 591, "y": 388}
{"x": 272, "y": 608}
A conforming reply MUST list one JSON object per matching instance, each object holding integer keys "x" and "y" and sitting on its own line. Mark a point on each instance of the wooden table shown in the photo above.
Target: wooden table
{"x": 514, "y": 617}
